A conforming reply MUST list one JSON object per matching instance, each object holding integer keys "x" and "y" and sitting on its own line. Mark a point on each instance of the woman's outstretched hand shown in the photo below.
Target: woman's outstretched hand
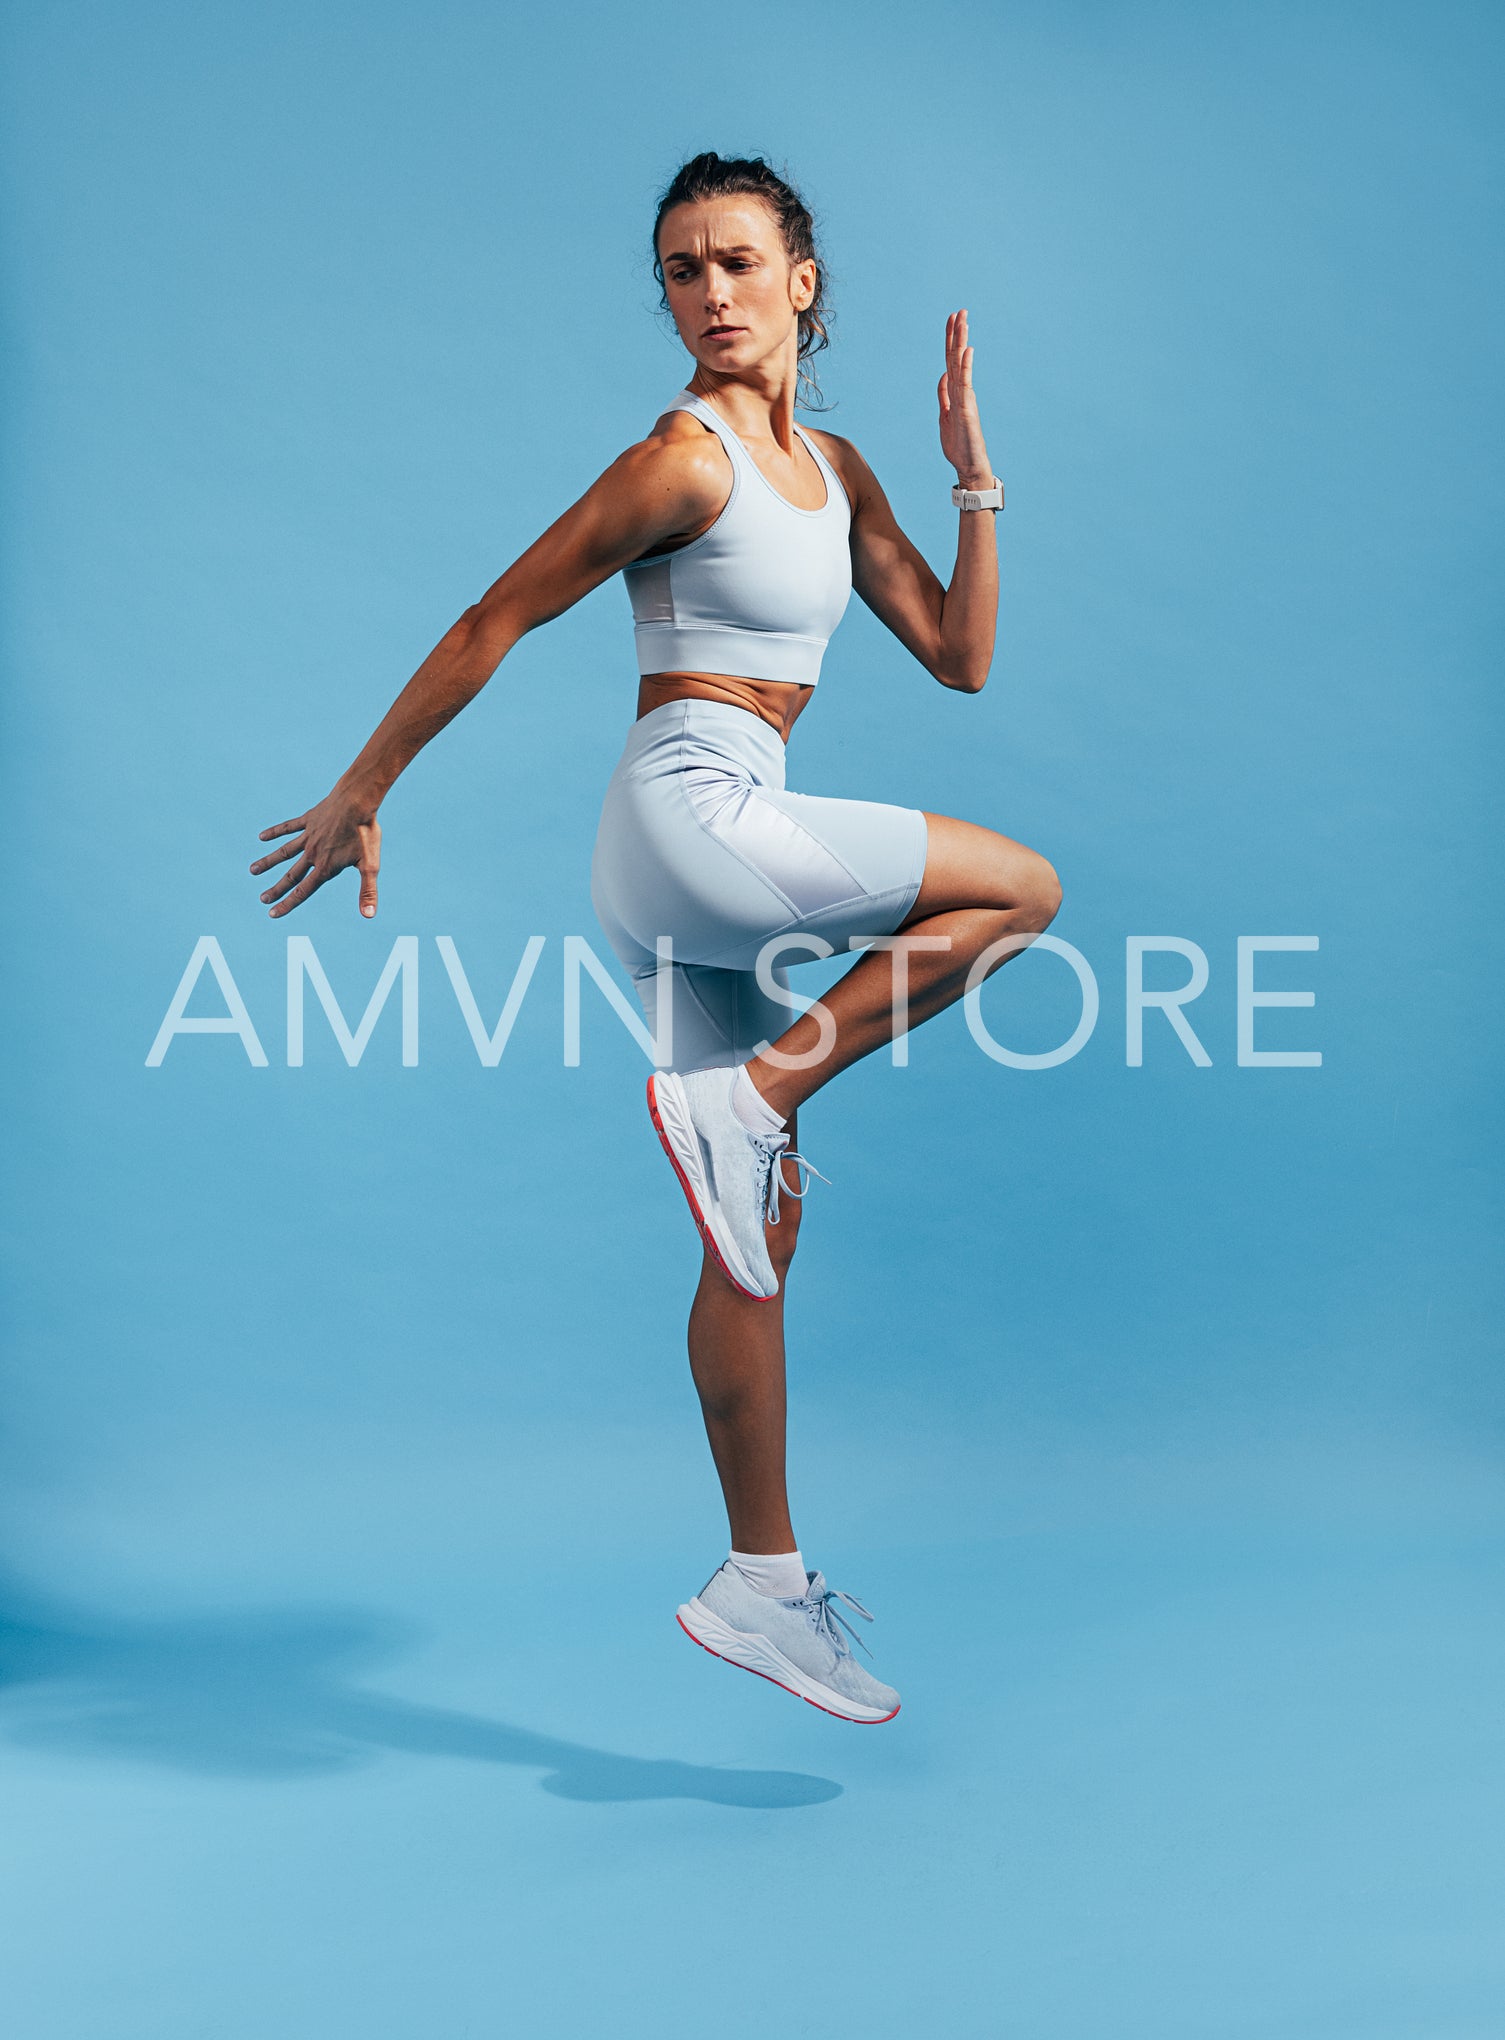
{"x": 961, "y": 428}
{"x": 330, "y": 838}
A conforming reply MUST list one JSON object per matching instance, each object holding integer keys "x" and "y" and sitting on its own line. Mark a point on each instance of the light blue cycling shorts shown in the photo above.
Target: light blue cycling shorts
{"x": 700, "y": 842}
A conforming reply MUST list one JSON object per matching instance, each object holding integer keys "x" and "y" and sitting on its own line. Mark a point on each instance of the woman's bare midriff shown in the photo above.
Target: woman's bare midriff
{"x": 776, "y": 702}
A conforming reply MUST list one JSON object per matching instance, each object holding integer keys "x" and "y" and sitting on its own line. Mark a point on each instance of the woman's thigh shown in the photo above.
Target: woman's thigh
{"x": 723, "y": 867}
{"x": 967, "y": 865}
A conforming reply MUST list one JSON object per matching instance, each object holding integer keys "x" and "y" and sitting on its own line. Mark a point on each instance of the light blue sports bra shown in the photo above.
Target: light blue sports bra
{"x": 761, "y": 591}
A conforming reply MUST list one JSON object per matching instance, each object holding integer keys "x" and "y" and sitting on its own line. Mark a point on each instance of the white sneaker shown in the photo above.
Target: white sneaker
{"x": 797, "y": 1644}
{"x": 728, "y": 1173}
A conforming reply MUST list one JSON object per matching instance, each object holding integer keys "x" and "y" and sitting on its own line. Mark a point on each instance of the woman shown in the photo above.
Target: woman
{"x": 741, "y": 537}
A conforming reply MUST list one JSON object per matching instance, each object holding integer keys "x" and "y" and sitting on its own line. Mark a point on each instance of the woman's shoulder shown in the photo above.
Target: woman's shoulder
{"x": 680, "y": 459}
{"x": 678, "y": 443}
{"x": 682, "y": 428}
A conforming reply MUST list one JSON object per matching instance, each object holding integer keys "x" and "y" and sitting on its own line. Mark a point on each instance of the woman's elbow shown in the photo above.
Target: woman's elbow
{"x": 488, "y": 628}
{"x": 963, "y": 679}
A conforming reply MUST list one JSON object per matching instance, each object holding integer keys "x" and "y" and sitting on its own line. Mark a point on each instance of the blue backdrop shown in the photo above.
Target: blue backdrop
{"x": 351, "y": 1467}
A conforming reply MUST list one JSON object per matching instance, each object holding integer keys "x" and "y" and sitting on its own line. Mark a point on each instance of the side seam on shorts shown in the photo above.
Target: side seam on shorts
{"x": 721, "y": 843}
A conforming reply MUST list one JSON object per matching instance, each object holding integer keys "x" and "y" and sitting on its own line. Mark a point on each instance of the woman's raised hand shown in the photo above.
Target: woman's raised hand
{"x": 961, "y": 428}
{"x": 330, "y": 838}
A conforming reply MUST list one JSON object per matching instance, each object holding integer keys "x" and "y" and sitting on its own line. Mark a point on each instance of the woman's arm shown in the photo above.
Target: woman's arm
{"x": 671, "y": 484}
{"x": 949, "y": 630}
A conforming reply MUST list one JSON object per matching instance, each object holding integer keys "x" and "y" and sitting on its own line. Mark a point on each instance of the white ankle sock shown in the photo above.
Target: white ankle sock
{"x": 779, "y": 1574}
{"x": 751, "y": 1107}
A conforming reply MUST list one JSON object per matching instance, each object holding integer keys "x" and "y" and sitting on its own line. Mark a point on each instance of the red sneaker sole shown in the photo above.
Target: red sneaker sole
{"x": 701, "y": 1227}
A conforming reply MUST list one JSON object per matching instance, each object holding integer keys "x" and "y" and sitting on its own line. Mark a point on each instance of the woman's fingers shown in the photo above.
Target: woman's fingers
{"x": 370, "y": 864}
{"x": 956, "y": 339}
{"x": 959, "y": 355}
{"x": 958, "y": 376}
{"x": 327, "y": 840}
{"x": 289, "y": 879}
{"x": 308, "y": 885}
{"x": 293, "y": 849}
{"x": 294, "y": 827}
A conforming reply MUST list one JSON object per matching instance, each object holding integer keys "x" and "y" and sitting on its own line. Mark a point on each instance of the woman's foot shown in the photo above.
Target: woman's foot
{"x": 800, "y": 1645}
{"x": 730, "y": 1175}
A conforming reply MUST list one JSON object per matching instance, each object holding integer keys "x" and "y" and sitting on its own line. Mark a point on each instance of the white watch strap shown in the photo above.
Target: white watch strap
{"x": 978, "y": 499}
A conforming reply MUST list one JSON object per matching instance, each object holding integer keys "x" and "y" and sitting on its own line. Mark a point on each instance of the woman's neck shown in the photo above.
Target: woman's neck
{"x": 757, "y": 405}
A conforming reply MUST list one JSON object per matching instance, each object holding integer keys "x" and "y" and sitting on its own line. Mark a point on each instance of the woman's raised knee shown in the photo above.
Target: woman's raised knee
{"x": 968, "y": 865}
{"x": 1032, "y": 891}
{"x": 1045, "y": 900}
{"x": 1026, "y": 884}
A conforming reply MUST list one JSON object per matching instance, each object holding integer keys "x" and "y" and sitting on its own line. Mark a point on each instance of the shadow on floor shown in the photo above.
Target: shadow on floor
{"x": 278, "y": 1694}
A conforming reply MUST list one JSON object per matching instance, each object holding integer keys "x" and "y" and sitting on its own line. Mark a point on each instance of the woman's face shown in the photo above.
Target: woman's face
{"x": 731, "y": 287}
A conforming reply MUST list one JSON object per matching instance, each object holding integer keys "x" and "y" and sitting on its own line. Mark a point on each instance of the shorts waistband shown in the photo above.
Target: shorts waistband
{"x": 679, "y": 730}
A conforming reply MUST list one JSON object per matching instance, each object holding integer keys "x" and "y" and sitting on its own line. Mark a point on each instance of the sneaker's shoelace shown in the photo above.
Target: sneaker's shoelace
{"x": 771, "y": 1148}
{"x": 825, "y": 1618}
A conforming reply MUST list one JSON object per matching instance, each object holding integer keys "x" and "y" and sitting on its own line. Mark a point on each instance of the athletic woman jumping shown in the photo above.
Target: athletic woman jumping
{"x": 740, "y": 536}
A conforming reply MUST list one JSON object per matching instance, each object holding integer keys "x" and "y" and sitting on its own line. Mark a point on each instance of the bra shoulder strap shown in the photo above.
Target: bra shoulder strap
{"x": 835, "y": 487}
{"x": 699, "y": 408}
